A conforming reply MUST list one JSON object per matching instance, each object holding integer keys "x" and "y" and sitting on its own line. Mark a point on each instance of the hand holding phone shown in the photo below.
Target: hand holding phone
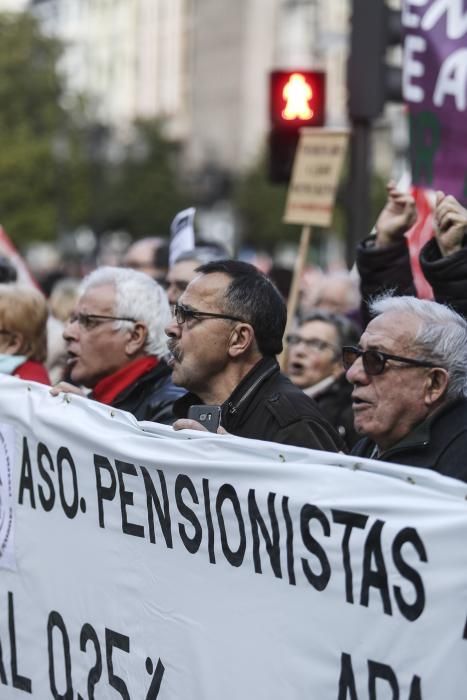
{"x": 208, "y": 415}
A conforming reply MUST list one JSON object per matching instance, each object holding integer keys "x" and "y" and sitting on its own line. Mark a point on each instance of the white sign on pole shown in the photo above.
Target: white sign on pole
{"x": 182, "y": 234}
{"x": 315, "y": 176}
{"x": 161, "y": 564}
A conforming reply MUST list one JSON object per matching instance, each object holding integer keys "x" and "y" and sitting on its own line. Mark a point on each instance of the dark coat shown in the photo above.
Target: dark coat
{"x": 439, "y": 443}
{"x": 383, "y": 269}
{"x": 267, "y": 406}
{"x": 447, "y": 276}
{"x": 335, "y": 403}
{"x": 387, "y": 268}
{"x": 151, "y": 396}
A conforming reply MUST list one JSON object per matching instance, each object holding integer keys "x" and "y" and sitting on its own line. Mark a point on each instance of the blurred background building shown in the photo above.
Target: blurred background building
{"x": 197, "y": 73}
{"x": 203, "y": 65}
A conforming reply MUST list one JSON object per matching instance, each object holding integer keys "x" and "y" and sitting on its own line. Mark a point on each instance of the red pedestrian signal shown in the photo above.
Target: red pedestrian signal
{"x": 296, "y": 99}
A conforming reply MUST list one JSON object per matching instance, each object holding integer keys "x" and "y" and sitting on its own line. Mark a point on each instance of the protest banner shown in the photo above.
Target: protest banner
{"x": 435, "y": 89}
{"x": 160, "y": 564}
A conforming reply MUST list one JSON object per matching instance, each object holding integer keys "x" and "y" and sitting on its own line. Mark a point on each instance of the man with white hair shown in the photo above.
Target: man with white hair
{"x": 409, "y": 375}
{"x": 116, "y": 344}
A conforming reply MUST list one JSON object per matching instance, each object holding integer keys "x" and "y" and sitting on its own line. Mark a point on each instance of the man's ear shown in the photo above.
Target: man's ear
{"x": 436, "y": 385}
{"x": 241, "y": 339}
{"x": 137, "y": 339}
{"x": 14, "y": 343}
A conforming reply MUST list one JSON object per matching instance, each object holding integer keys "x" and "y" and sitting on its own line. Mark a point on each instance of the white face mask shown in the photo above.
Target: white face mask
{"x": 8, "y": 363}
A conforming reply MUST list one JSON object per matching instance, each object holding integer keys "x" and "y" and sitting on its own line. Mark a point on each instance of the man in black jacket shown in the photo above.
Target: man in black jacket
{"x": 409, "y": 375}
{"x": 226, "y": 332}
{"x": 116, "y": 344}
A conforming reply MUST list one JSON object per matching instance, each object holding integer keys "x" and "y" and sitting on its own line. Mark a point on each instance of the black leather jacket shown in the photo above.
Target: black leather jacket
{"x": 267, "y": 406}
{"x": 151, "y": 396}
{"x": 439, "y": 443}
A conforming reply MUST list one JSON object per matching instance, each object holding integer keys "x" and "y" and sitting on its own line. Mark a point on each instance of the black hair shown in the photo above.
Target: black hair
{"x": 253, "y": 297}
{"x": 161, "y": 256}
{"x": 347, "y": 331}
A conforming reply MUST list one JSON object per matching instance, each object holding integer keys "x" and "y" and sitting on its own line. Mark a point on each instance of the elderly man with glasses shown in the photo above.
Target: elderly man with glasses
{"x": 117, "y": 347}
{"x": 226, "y": 332}
{"x": 409, "y": 377}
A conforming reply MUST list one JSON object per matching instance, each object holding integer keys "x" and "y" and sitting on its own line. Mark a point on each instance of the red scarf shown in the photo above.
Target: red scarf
{"x": 110, "y": 387}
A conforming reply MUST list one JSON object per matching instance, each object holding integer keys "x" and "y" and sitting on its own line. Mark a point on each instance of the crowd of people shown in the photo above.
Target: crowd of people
{"x": 367, "y": 367}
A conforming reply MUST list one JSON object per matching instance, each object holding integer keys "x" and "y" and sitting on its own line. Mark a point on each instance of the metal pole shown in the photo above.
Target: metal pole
{"x": 359, "y": 188}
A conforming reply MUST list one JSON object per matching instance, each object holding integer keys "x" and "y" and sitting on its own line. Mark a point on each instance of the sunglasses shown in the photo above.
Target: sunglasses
{"x": 90, "y": 321}
{"x": 183, "y": 313}
{"x": 374, "y": 361}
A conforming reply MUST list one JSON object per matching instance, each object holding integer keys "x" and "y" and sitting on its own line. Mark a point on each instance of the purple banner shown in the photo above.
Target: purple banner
{"x": 435, "y": 90}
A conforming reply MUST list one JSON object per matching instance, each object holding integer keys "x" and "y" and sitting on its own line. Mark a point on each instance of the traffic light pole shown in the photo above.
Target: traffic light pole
{"x": 359, "y": 187}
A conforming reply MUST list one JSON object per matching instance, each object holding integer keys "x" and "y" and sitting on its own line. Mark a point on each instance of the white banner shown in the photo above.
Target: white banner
{"x": 154, "y": 564}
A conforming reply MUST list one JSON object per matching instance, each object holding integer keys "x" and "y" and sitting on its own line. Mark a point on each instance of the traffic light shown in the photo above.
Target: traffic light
{"x": 370, "y": 80}
{"x": 296, "y": 99}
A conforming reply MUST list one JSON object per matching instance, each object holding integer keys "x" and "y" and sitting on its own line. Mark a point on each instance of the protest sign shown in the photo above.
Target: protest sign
{"x": 182, "y": 234}
{"x": 161, "y": 564}
{"x": 315, "y": 176}
{"x": 435, "y": 89}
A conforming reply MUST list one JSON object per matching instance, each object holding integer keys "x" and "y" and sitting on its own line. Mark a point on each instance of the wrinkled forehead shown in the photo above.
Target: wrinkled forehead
{"x": 206, "y": 291}
{"x": 183, "y": 270}
{"x": 391, "y": 331}
{"x": 318, "y": 329}
{"x": 99, "y": 299}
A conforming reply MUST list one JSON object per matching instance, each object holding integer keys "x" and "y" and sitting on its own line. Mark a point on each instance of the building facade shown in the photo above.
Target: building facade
{"x": 126, "y": 57}
{"x": 203, "y": 65}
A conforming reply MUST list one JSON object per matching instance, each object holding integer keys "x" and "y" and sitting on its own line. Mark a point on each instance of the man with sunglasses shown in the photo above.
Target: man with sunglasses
{"x": 116, "y": 344}
{"x": 226, "y": 332}
{"x": 409, "y": 375}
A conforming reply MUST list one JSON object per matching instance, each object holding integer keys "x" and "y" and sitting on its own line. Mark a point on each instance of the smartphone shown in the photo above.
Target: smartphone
{"x": 207, "y": 415}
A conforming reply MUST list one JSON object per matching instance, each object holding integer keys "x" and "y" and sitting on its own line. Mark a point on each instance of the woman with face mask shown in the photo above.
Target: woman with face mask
{"x": 23, "y": 333}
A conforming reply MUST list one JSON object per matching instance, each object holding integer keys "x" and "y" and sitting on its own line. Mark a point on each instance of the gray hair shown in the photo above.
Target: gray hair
{"x": 346, "y": 330}
{"x": 137, "y": 296}
{"x": 441, "y": 337}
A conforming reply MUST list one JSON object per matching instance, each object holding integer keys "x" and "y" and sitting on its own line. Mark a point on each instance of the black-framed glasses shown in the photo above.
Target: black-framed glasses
{"x": 374, "y": 361}
{"x": 312, "y": 343}
{"x": 90, "y": 321}
{"x": 182, "y": 313}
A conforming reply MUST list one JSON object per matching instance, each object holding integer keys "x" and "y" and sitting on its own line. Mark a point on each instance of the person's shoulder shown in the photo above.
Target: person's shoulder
{"x": 286, "y": 396}
{"x": 33, "y": 371}
{"x": 162, "y": 383}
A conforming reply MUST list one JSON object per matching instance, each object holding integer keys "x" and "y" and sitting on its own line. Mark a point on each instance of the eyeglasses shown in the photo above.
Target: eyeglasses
{"x": 90, "y": 321}
{"x": 312, "y": 343}
{"x": 374, "y": 361}
{"x": 182, "y": 313}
